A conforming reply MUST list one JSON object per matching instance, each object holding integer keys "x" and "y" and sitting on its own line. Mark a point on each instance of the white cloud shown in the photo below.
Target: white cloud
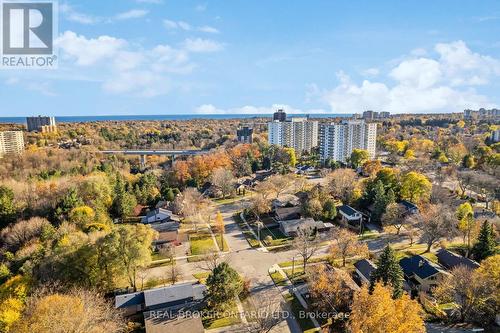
{"x": 420, "y": 73}
{"x": 132, "y": 14}
{"x": 181, "y": 25}
{"x": 371, "y": 72}
{"x": 200, "y": 45}
{"x": 71, "y": 14}
{"x": 89, "y": 51}
{"x": 421, "y": 84}
{"x": 208, "y": 29}
{"x": 125, "y": 68}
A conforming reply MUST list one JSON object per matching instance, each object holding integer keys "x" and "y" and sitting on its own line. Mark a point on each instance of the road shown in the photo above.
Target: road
{"x": 253, "y": 264}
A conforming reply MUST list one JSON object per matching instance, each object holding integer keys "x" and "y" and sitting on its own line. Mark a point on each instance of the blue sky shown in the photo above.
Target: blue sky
{"x": 236, "y": 56}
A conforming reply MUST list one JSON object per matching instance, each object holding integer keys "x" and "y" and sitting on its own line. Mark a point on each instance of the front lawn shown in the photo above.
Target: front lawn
{"x": 224, "y": 318}
{"x": 278, "y": 278}
{"x": 200, "y": 245}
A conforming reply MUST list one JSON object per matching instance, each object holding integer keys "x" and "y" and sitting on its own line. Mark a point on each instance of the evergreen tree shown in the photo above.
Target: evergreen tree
{"x": 224, "y": 284}
{"x": 486, "y": 243}
{"x": 124, "y": 202}
{"x": 379, "y": 201}
{"x": 329, "y": 210}
{"x": 7, "y": 207}
{"x": 389, "y": 272}
{"x": 66, "y": 205}
{"x": 170, "y": 196}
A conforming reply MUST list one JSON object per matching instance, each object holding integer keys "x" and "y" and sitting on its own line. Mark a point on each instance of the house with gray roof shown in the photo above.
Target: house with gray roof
{"x": 290, "y": 228}
{"x": 451, "y": 260}
{"x": 157, "y": 215}
{"x": 350, "y": 217}
{"x": 170, "y": 297}
{"x": 364, "y": 269}
{"x": 421, "y": 273}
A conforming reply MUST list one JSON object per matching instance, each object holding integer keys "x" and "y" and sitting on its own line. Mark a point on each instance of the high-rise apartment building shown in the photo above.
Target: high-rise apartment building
{"x": 244, "y": 134}
{"x": 41, "y": 124}
{"x": 298, "y": 133}
{"x": 495, "y": 136}
{"x": 11, "y": 142}
{"x": 338, "y": 140}
{"x": 279, "y": 115}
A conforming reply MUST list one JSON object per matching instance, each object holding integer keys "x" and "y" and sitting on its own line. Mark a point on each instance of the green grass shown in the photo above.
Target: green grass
{"x": 233, "y": 199}
{"x": 278, "y": 278}
{"x": 201, "y": 277}
{"x": 220, "y": 319}
{"x": 156, "y": 282}
{"x": 223, "y": 247}
{"x": 160, "y": 263}
{"x": 299, "y": 262}
{"x": 368, "y": 234}
{"x": 201, "y": 244}
{"x": 298, "y": 274}
{"x": 278, "y": 238}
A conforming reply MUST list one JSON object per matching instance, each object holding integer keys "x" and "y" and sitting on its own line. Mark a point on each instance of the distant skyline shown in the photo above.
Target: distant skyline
{"x": 166, "y": 57}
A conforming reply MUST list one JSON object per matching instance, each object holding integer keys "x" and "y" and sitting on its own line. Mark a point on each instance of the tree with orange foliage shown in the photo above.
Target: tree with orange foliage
{"x": 220, "y": 227}
{"x": 379, "y": 312}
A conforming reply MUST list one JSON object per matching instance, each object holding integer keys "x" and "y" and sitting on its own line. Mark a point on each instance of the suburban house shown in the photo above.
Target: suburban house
{"x": 157, "y": 215}
{"x": 287, "y": 213}
{"x": 421, "y": 274}
{"x": 168, "y": 233}
{"x": 170, "y": 297}
{"x": 350, "y": 217}
{"x": 364, "y": 269}
{"x": 291, "y": 227}
{"x": 451, "y": 260}
{"x": 410, "y": 207}
{"x": 289, "y": 201}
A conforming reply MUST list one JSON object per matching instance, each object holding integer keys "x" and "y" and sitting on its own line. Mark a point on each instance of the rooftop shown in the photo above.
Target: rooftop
{"x": 365, "y": 267}
{"x": 419, "y": 266}
{"x": 451, "y": 260}
{"x": 173, "y": 293}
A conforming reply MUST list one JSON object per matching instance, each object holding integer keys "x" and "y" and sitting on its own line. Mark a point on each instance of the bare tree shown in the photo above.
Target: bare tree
{"x": 394, "y": 216}
{"x": 435, "y": 222}
{"x": 196, "y": 208}
{"x": 209, "y": 260}
{"x": 267, "y": 312}
{"x": 342, "y": 183}
{"x": 260, "y": 204}
{"x": 346, "y": 244}
{"x": 280, "y": 184}
{"x": 142, "y": 274}
{"x": 16, "y": 235}
{"x": 306, "y": 244}
{"x": 464, "y": 180}
{"x": 224, "y": 180}
{"x": 174, "y": 272}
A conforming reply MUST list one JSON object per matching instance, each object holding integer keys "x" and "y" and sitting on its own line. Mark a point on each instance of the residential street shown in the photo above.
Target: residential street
{"x": 254, "y": 264}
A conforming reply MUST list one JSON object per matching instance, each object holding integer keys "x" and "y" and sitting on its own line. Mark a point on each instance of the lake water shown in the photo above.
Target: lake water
{"x": 86, "y": 119}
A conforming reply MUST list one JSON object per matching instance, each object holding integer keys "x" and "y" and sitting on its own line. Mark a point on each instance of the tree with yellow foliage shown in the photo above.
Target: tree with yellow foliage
{"x": 219, "y": 225}
{"x": 378, "y": 312}
{"x": 75, "y": 311}
{"x": 415, "y": 187}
